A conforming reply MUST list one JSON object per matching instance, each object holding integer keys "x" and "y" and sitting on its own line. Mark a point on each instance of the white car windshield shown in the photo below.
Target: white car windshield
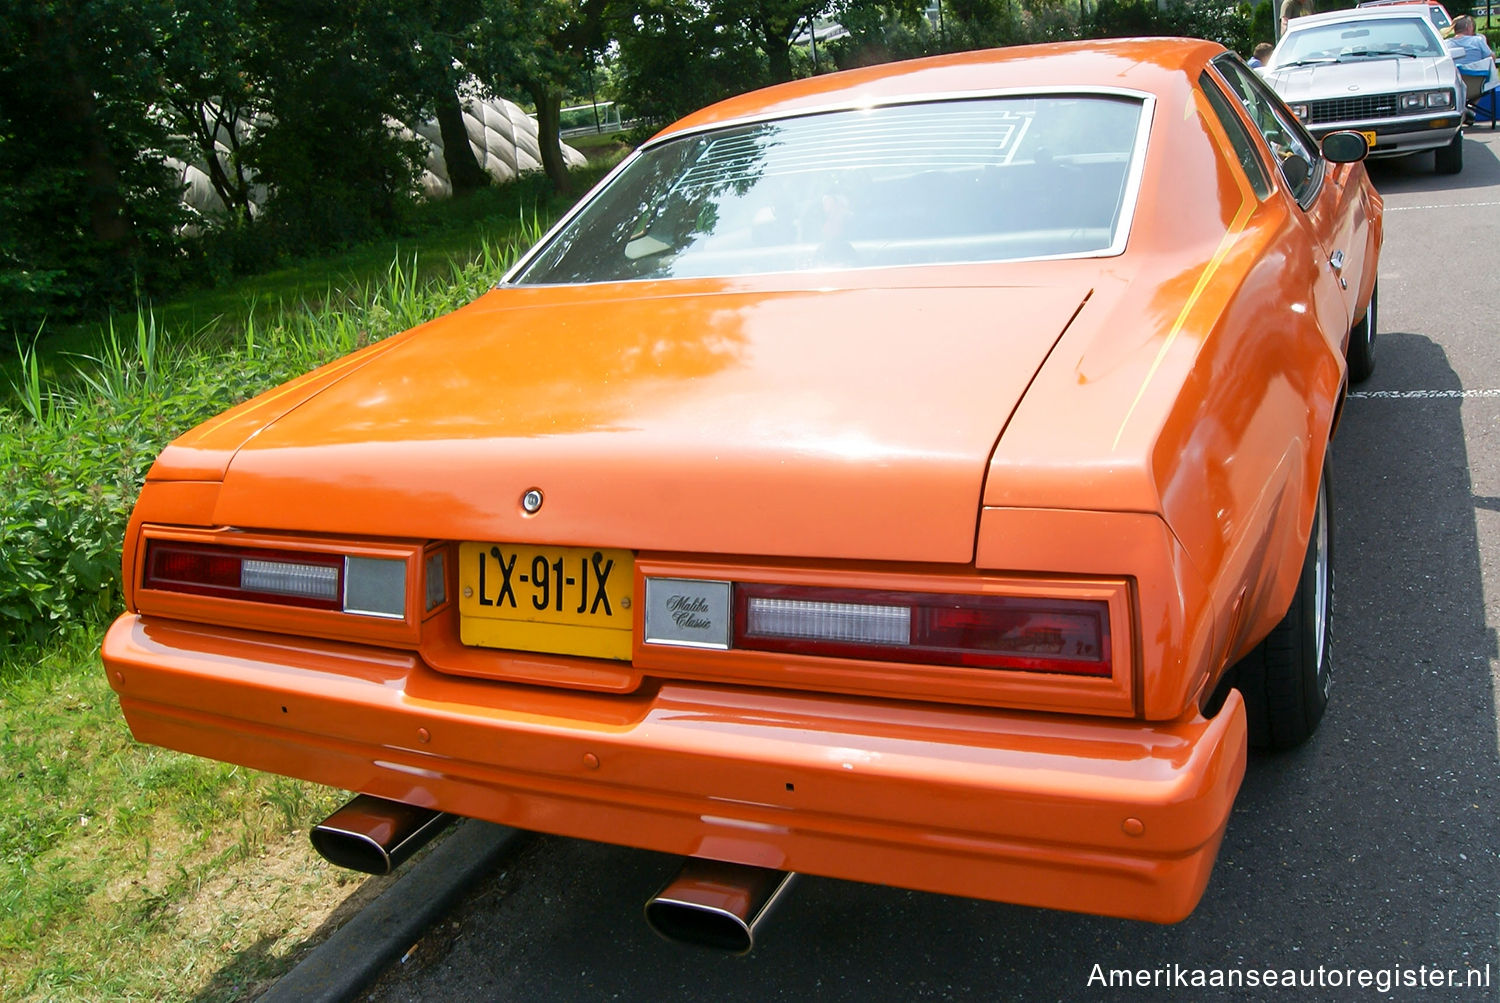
{"x": 1352, "y": 40}
{"x": 989, "y": 179}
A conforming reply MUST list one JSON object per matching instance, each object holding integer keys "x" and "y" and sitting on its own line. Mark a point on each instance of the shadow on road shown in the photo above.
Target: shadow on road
{"x": 1415, "y": 173}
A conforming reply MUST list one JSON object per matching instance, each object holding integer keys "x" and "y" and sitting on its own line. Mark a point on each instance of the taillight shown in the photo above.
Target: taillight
{"x": 993, "y": 632}
{"x": 369, "y": 586}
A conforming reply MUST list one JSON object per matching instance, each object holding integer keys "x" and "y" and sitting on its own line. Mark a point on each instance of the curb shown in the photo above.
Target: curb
{"x": 362, "y": 948}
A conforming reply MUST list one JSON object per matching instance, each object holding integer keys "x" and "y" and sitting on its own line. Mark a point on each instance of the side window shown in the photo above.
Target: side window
{"x": 1296, "y": 153}
{"x": 1244, "y": 147}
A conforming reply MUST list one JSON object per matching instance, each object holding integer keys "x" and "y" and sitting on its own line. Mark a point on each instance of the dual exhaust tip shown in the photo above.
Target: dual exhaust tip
{"x": 709, "y": 903}
{"x": 375, "y": 835}
{"x": 714, "y": 904}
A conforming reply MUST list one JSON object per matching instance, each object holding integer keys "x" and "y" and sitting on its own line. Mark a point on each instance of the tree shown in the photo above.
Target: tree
{"x": 1230, "y": 27}
{"x": 881, "y": 32}
{"x": 87, "y": 206}
{"x": 442, "y": 36}
{"x": 334, "y": 73}
{"x": 539, "y": 46}
{"x": 203, "y": 48}
{"x": 676, "y": 57}
{"x": 773, "y": 24}
{"x": 679, "y": 55}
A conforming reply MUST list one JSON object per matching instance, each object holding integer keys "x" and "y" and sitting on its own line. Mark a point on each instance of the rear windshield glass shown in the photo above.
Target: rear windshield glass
{"x": 990, "y": 179}
{"x": 1356, "y": 40}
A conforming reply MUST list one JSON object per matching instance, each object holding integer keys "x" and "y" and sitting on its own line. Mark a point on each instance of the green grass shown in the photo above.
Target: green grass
{"x": 440, "y": 236}
{"x": 108, "y": 846}
{"x": 596, "y": 145}
{"x": 131, "y": 872}
{"x": 78, "y": 446}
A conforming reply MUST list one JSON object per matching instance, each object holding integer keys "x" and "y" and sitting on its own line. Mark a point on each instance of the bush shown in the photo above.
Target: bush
{"x": 1228, "y": 25}
{"x": 76, "y": 454}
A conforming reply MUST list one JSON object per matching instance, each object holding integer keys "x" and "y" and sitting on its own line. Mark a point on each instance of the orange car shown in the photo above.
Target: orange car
{"x": 913, "y": 475}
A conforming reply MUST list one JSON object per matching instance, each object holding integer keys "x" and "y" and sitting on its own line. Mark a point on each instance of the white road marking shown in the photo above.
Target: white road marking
{"x": 1422, "y": 394}
{"x": 1444, "y": 205}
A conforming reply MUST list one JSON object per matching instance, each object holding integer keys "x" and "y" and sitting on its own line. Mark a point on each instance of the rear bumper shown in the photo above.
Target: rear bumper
{"x": 1104, "y": 816}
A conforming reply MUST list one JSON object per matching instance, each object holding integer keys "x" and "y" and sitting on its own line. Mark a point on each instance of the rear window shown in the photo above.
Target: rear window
{"x": 991, "y": 179}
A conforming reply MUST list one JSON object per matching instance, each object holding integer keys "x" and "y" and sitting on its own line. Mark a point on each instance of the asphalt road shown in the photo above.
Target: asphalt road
{"x": 1373, "y": 847}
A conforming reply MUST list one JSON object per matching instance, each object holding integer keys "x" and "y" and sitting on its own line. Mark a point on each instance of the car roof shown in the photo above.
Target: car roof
{"x": 1384, "y": 12}
{"x": 1161, "y": 66}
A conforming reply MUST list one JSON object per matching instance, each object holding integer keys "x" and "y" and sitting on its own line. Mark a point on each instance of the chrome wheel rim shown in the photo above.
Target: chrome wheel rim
{"x": 1322, "y": 594}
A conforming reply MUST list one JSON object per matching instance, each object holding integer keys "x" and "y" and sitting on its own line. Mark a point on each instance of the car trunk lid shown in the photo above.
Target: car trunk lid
{"x": 820, "y": 423}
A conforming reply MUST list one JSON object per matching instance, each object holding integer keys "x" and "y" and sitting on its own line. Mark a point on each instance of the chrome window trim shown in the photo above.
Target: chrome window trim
{"x": 1212, "y": 84}
{"x": 1128, "y": 201}
{"x": 1319, "y": 166}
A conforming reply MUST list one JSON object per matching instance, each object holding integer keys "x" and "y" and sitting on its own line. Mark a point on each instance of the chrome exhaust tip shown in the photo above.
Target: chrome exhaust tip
{"x": 374, "y": 835}
{"x": 714, "y": 904}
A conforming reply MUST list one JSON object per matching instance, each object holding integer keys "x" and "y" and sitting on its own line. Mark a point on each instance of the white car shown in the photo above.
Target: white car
{"x": 1382, "y": 71}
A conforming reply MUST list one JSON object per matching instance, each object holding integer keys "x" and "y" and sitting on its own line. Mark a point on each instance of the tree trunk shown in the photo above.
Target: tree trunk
{"x": 464, "y": 172}
{"x": 76, "y": 107}
{"x": 549, "y": 124}
{"x": 778, "y": 51}
{"x": 195, "y": 115}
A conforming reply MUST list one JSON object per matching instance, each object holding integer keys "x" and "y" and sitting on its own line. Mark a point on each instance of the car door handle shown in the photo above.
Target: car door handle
{"x": 1336, "y": 262}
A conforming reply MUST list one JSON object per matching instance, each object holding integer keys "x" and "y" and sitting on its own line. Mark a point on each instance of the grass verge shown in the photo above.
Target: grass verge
{"x": 138, "y": 873}
{"x": 133, "y": 872}
{"x": 439, "y": 236}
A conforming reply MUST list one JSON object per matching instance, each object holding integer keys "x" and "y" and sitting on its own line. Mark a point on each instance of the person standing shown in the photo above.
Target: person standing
{"x": 1291, "y": 9}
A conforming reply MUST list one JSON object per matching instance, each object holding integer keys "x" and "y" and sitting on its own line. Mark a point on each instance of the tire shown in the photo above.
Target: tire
{"x": 1285, "y": 680}
{"x": 1362, "y": 341}
{"x": 1450, "y": 158}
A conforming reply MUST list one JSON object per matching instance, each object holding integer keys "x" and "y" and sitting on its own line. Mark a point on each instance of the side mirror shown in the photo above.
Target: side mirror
{"x": 1345, "y": 147}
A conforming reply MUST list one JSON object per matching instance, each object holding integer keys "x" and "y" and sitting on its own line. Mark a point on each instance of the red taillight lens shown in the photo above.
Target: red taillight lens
{"x": 309, "y": 580}
{"x": 992, "y": 632}
{"x": 169, "y": 567}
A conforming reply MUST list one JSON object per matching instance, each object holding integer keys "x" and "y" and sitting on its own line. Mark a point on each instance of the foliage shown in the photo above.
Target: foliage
{"x": 981, "y": 24}
{"x": 771, "y": 23}
{"x": 108, "y": 849}
{"x": 202, "y": 49}
{"x": 76, "y": 451}
{"x": 540, "y": 46}
{"x": 675, "y": 58}
{"x": 879, "y": 33}
{"x": 1262, "y": 25}
{"x": 332, "y": 71}
{"x": 87, "y": 206}
{"x": 96, "y": 95}
{"x": 72, "y": 473}
{"x": 1229, "y": 27}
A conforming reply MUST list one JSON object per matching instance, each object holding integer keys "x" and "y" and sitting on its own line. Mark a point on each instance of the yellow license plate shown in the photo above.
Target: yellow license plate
{"x": 1369, "y": 138}
{"x": 560, "y": 600}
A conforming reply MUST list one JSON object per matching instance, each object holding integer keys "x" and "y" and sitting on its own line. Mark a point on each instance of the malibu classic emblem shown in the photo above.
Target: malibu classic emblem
{"x": 687, "y": 612}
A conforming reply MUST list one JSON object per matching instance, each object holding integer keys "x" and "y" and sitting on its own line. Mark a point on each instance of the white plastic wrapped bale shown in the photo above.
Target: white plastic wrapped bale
{"x": 504, "y": 140}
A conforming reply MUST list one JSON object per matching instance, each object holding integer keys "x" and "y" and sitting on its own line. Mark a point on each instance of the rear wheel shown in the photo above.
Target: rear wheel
{"x": 1450, "y": 158}
{"x": 1362, "y": 342}
{"x": 1286, "y": 679}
